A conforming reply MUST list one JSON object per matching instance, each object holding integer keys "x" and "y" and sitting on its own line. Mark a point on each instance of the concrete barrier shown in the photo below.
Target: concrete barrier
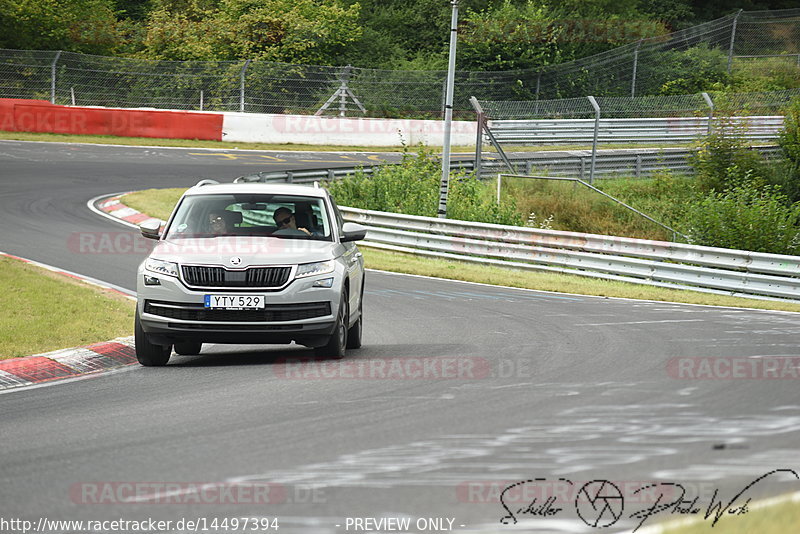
{"x": 42, "y": 116}
{"x": 313, "y": 130}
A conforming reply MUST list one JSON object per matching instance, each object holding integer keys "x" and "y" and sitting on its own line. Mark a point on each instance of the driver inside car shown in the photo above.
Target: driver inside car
{"x": 284, "y": 218}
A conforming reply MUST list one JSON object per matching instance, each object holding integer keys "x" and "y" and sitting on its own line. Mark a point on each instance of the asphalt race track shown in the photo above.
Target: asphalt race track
{"x": 459, "y": 392}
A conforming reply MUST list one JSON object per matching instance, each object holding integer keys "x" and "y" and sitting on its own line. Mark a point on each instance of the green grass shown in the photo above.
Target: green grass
{"x": 564, "y": 283}
{"x": 159, "y": 202}
{"x": 194, "y": 143}
{"x": 779, "y": 519}
{"x": 576, "y": 208}
{"x": 42, "y": 311}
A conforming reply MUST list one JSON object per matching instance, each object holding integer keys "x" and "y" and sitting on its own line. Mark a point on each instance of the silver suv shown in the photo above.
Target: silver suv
{"x": 250, "y": 263}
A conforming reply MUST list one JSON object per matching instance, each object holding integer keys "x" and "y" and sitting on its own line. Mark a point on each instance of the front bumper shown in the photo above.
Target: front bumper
{"x": 172, "y": 313}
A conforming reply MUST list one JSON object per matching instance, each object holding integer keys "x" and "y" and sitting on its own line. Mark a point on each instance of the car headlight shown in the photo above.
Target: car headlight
{"x": 312, "y": 269}
{"x": 161, "y": 267}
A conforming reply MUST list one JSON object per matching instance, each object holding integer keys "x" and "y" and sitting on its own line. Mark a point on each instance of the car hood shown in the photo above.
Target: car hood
{"x": 240, "y": 252}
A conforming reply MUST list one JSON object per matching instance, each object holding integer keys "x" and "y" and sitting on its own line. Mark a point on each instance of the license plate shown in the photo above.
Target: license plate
{"x": 234, "y": 302}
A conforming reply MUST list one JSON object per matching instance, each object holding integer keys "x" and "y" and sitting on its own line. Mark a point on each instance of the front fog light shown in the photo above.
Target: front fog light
{"x": 151, "y": 281}
{"x": 325, "y": 282}
{"x": 161, "y": 267}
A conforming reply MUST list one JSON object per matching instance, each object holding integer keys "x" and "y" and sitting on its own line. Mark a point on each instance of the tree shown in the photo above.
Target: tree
{"x": 523, "y": 35}
{"x": 298, "y": 31}
{"x": 72, "y": 25}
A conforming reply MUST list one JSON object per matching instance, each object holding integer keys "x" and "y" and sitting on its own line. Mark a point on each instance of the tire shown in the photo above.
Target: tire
{"x": 337, "y": 343}
{"x": 149, "y": 354}
{"x": 188, "y": 348}
{"x": 354, "y": 333}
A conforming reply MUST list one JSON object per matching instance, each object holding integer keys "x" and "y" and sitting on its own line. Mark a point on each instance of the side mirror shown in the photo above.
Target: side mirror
{"x": 151, "y": 229}
{"x": 353, "y": 232}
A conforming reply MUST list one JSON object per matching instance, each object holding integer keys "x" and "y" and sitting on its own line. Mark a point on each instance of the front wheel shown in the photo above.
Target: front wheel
{"x": 354, "y": 333}
{"x": 337, "y": 343}
{"x": 149, "y": 354}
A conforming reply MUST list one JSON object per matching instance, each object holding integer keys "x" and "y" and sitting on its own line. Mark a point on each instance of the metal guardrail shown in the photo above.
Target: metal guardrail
{"x": 644, "y": 130}
{"x": 655, "y": 263}
{"x": 573, "y": 163}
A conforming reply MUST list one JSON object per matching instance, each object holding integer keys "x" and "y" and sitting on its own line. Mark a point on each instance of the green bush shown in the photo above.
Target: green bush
{"x": 746, "y": 216}
{"x": 790, "y": 136}
{"x": 681, "y": 72}
{"x": 412, "y": 187}
{"x": 764, "y": 74}
{"x": 723, "y": 157}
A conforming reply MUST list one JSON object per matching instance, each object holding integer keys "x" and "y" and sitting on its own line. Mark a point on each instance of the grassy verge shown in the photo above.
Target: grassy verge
{"x": 42, "y": 311}
{"x": 159, "y": 202}
{"x": 778, "y": 519}
{"x": 194, "y": 143}
{"x": 456, "y": 270}
{"x": 575, "y": 208}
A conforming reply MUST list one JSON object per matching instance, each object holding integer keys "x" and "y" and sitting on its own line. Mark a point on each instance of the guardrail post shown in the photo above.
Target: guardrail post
{"x": 638, "y": 165}
{"x": 733, "y": 38}
{"x": 710, "y": 103}
{"x": 289, "y": 177}
{"x": 241, "y": 85}
{"x": 596, "y": 107}
{"x": 582, "y": 163}
{"x": 53, "y": 78}
{"x": 479, "y": 140}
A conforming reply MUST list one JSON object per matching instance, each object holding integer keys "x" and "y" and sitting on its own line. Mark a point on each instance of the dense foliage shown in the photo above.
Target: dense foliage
{"x": 412, "y": 187}
{"x": 495, "y": 34}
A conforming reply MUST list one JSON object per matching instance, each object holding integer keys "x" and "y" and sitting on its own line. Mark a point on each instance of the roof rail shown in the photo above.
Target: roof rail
{"x": 201, "y": 183}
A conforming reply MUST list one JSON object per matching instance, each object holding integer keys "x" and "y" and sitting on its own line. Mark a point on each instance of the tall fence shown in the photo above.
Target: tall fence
{"x": 642, "y": 67}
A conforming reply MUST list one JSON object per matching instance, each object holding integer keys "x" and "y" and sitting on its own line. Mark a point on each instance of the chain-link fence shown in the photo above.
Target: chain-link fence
{"x": 650, "y": 66}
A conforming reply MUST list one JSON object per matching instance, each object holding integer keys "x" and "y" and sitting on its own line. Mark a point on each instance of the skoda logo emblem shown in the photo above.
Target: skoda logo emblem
{"x": 236, "y": 260}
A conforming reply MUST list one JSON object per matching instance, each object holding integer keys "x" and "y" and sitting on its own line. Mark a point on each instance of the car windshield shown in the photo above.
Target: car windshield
{"x": 260, "y": 215}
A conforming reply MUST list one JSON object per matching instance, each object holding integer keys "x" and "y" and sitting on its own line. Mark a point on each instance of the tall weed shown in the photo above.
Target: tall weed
{"x": 747, "y": 216}
{"x": 412, "y": 187}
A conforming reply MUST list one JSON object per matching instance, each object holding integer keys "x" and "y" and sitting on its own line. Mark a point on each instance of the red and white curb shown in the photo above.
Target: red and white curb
{"x": 112, "y": 207}
{"x": 68, "y": 363}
